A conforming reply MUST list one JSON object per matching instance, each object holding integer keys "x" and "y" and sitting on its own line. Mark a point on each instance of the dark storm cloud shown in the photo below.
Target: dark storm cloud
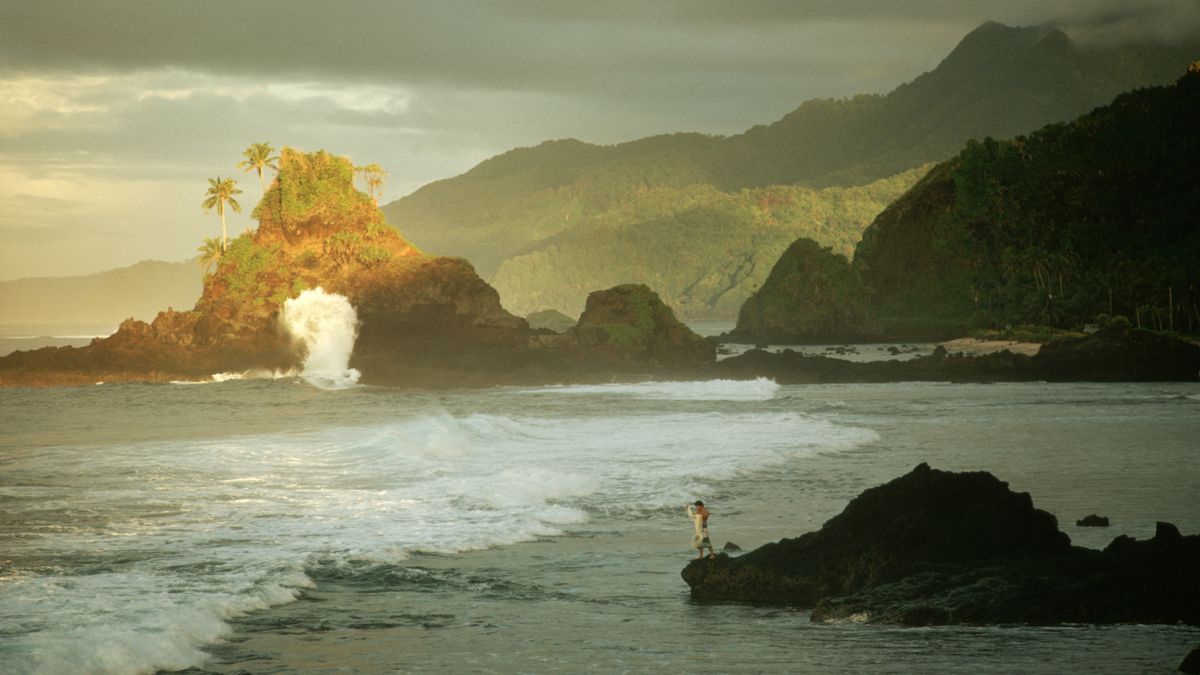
{"x": 127, "y": 107}
{"x": 526, "y": 44}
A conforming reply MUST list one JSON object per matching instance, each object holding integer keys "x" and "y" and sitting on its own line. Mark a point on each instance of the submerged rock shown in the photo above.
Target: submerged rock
{"x": 934, "y": 547}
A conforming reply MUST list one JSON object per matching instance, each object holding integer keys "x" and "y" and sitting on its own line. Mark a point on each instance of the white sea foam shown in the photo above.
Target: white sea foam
{"x": 759, "y": 389}
{"x": 326, "y": 326}
{"x": 150, "y": 571}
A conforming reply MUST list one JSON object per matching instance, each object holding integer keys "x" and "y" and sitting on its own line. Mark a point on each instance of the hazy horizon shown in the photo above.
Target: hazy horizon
{"x": 113, "y": 118}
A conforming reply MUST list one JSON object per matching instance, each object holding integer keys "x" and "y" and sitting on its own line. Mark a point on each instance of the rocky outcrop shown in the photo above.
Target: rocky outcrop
{"x": 630, "y": 324}
{"x": 935, "y": 547}
{"x": 886, "y": 533}
{"x": 810, "y": 295}
{"x": 424, "y": 320}
{"x": 315, "y": 229}
{"x": 1119, "y": 354}
{"x": 432, "y": 321}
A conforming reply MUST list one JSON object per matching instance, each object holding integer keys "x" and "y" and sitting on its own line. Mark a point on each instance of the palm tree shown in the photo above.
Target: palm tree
{"x": 220, "y": 191}
{"x": 258, "y": 157}
{"x": 210, "y": 252}
{"x": 374, "y": 176}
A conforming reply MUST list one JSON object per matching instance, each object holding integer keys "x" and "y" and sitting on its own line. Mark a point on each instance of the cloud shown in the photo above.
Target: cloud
{"x": 509, "y": 45}
{"x": 1164, "y": 21}
{"x": 120, "y": 110}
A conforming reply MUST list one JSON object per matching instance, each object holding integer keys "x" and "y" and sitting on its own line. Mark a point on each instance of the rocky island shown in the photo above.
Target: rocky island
{"x": 421, "y": 320}
{"x": 935, "y": 547}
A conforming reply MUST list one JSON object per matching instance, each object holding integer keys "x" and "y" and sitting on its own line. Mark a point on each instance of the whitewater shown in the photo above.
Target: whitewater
{"x": 262, "y": 523}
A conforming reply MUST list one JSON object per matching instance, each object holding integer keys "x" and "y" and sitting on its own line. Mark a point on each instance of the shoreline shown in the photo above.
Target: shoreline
{"x": 1111, "y": 355}
{"x": 971, "y": 346}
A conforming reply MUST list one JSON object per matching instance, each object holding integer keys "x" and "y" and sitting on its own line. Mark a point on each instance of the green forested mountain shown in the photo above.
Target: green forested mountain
{"x": 702, "y": 249}
{"x": 1100, "y": 215}
{"x": 523, "y": 196}
{"x": 999, "y": 81}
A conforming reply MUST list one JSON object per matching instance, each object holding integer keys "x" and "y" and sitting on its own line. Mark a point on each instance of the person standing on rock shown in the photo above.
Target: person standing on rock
{"x": 700, "y": 540}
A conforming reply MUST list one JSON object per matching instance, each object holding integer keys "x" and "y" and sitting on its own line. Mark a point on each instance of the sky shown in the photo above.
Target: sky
{"x": 114, "y": 115}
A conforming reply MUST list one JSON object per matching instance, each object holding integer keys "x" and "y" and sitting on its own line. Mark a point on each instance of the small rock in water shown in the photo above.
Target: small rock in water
{"x": 730, "y": 546}
{"x": 1191, "y": 662}
{"x": 1093, "y": 521}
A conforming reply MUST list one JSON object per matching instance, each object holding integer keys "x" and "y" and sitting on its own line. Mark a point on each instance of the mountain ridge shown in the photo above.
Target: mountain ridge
{"x": 1094, "y": 221}
{"x": 998, "y": 81}
{"x": 100, "y": 299}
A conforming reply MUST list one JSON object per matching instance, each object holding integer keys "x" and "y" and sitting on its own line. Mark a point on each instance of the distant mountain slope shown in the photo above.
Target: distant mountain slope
{"x": 525, "y": 195}
{"x": 999, "y": 81}
{"x": 98, "y": 301}
{"x": 1096, "y": 216}
{"x": 704, "y": 250}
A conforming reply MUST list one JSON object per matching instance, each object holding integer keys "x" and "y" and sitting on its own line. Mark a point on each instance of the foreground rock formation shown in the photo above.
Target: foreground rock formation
{"x": 934, "y": 547}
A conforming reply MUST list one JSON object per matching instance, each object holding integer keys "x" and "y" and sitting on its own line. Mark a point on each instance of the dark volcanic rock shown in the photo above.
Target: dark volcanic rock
{"x": 933, "y": 547}
{"x": 811, "y": 294}
{"x": 1119, "y": 354}
{"x": 1191, "y": 662}
{"x": 926, "y": 516}
{"x": 1110, "y": 355}
{"x": 629, "y": 324}
{"x": 1092, "y": 521}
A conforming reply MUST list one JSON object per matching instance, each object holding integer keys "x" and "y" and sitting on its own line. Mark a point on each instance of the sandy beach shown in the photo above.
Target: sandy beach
{"x": 976, "y": 347}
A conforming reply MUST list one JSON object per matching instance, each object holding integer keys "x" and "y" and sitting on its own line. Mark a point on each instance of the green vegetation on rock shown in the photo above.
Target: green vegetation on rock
{"x": 631, "y": 323}
{"x": 526, "y": 212}
{"x": 1095, "y": 216}
{"x": 314, "y": 194}
{"x": 703, "y": 250}
{"x": 811, "y": 294}
{"x": 315, "y": 229}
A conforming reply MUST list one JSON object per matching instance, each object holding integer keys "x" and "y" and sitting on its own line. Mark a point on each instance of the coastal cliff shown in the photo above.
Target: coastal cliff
{"x": 1071, "y": 224}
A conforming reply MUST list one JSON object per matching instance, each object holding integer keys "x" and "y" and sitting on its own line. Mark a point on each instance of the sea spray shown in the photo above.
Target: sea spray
{"x": 326, "y": 325}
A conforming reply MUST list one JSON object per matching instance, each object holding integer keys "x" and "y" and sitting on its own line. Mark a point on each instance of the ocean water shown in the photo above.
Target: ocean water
{"x": 273, "y": 526}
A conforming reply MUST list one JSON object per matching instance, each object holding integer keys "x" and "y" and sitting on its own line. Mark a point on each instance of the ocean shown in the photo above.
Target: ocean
{"x": 271, "y": 526}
